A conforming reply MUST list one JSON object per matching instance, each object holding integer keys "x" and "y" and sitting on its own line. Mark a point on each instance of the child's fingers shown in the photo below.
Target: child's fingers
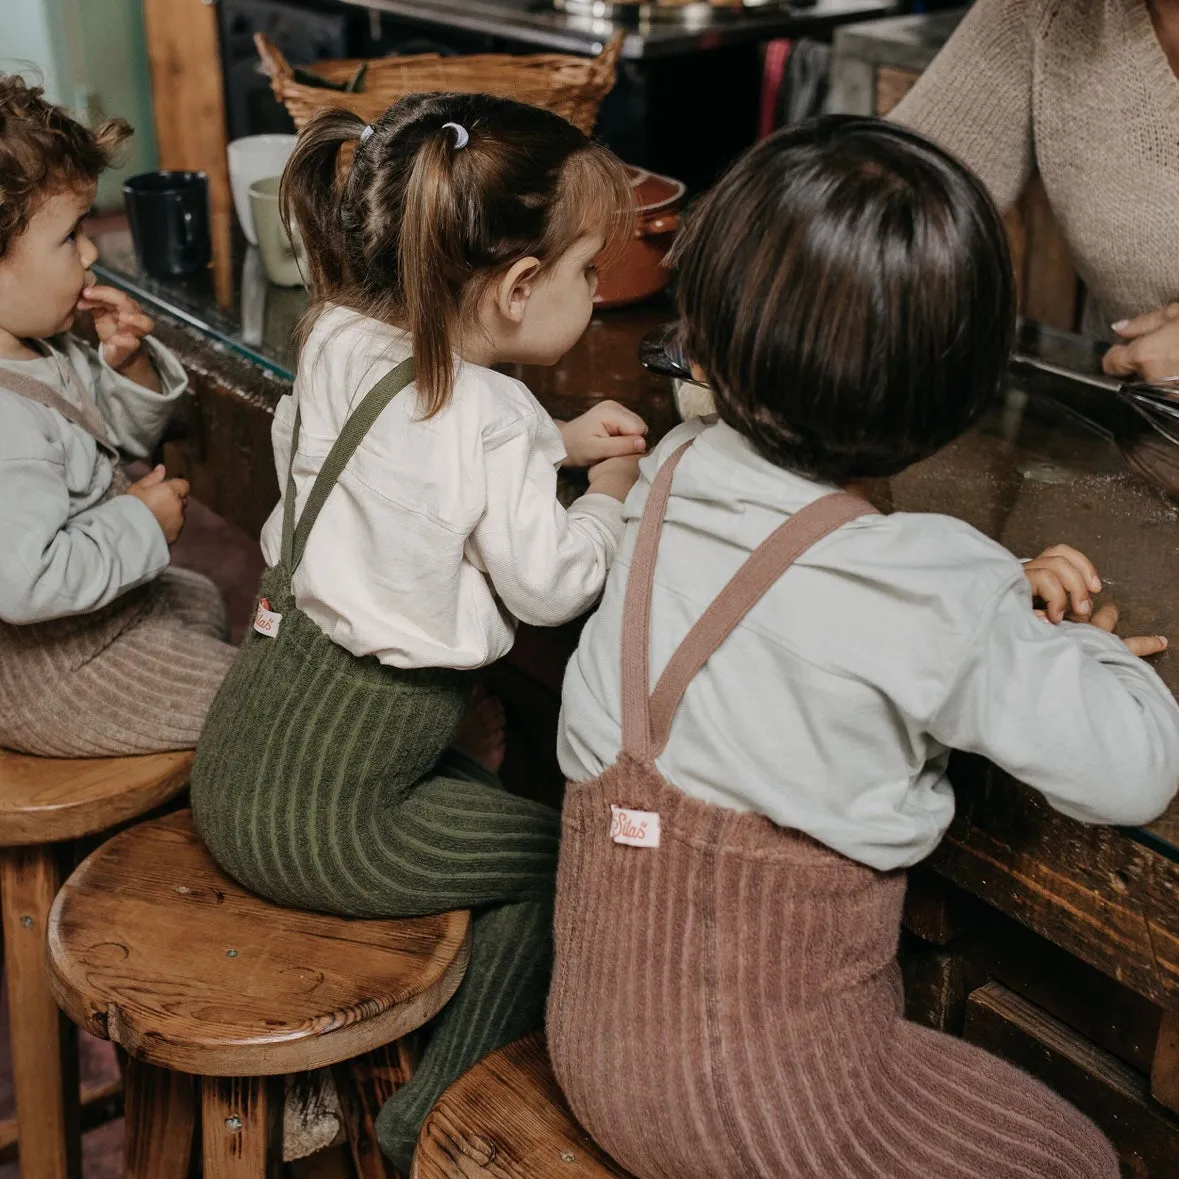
{"x": 122, "y": 342}
{"x": 180, "y": 487}
{"x": 1144, "y": 645}
{"x": 598, "y": 449}
{"x": 1106, "y": 618}
{"x": 154, "y": 476}
{"x": 1077, "y": 558}
{"x": 1050, "y": 590}
{"x": 136, "y": 321}
{"x": 1063, "y": 574}
{"x": 617, "y": 419}
{"x": 111, "y": 297}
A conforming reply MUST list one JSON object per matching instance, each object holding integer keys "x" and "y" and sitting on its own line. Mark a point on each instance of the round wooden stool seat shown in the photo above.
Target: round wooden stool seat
{"x": 52, "y": 799}
{"x": 153, "y": 946}
{"x": 507, "y": 1119}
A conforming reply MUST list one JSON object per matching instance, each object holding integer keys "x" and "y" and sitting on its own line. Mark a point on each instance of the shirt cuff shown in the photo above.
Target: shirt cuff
{"x": 146, "y": 546}
{"x": 604, "y": 508}
{"x": 173, "y": 378}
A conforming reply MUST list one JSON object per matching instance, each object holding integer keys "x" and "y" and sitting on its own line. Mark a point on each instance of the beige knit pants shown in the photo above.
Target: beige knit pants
{"x": 137, "y": 676}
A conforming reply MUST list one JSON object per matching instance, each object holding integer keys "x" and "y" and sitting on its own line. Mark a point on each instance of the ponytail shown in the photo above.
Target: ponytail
{"x": 425, "y": 217}
{"x": 309, "y": 196}
{"x": 431, "y": 260}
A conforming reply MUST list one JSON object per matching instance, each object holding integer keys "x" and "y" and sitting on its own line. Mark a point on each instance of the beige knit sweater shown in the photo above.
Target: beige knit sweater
{"x": 1082, "y": 90}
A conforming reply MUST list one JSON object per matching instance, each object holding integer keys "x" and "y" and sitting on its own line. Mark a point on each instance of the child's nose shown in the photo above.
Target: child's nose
{"x": 87, "y": 251}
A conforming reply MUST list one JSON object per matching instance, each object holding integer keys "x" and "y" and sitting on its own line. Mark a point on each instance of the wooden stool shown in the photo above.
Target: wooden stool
{"x": 153, "y": 946}
{"x": 507, "y": 1119}
{"x": 45, "y": 802}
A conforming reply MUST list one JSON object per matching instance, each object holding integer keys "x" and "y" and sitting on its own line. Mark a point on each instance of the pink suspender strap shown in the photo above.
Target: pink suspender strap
{"x": 647, "y": 719}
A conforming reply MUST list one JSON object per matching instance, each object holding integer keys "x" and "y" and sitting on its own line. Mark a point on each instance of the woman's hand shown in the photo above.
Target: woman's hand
{"x": 1062, "y": 580}
{"x": 609, "y": 430}
{"x": 1151, "y": 348}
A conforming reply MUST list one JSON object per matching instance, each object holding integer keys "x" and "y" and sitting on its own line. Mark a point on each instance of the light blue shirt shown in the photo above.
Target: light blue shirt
{"x": 63, "y": 550}
{"x": 832, "y": 708}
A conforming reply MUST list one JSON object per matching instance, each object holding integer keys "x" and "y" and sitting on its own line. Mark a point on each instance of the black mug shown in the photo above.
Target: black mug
{"x": 169, "y": 216}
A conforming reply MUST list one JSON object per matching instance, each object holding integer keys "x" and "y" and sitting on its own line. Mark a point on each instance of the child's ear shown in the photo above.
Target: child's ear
{"x": 514, "y": 289}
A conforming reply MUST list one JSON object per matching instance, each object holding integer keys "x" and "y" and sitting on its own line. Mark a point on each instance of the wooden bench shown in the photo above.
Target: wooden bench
{"x": 216, "y": 994}
{"x": 507, "y": 1119}
{"x": 45, "y": 804}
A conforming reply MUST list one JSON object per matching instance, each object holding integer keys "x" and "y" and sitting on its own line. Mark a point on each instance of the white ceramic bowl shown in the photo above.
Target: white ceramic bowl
{"x": 254, "y": 158}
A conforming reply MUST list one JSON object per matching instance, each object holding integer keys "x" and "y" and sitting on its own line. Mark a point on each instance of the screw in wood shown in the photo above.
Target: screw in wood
{"x": 233, "y": 1123}
{"x": 27, "y": 922}
{"x": 231, "y": 953}
{"x": 566, "y": 1157}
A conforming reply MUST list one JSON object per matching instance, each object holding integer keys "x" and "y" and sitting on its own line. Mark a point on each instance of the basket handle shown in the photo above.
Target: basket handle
{"x": 273, "y": 63}
{"x": 606, "y": 63}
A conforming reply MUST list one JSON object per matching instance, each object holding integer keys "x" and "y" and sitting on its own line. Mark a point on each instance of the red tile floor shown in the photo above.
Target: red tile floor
{"x": 234, "y": 562}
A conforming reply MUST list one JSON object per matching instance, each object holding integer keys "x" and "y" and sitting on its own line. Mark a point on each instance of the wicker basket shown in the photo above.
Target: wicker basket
{"x": 572, "y": 86}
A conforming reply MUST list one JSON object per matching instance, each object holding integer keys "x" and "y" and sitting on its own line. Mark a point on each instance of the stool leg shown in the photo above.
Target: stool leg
{"x": 160, "y": 1108}
{"x": 364, "y": 1085}
{"x": 44, "y": 1042}
{"x": 241, "y": 1127}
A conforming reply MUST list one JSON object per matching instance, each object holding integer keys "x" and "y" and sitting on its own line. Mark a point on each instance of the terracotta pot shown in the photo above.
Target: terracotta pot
{"x": 638, "y": 272}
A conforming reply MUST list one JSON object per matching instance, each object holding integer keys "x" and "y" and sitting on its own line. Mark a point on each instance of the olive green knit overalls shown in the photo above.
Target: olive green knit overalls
{"x": 324, "y": 781}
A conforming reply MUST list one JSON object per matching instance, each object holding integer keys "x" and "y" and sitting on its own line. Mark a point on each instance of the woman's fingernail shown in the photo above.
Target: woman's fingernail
{"x": 1095, "y": 584}
{"x": 1162, "y": 639}
{"x": 1120, "y": 326}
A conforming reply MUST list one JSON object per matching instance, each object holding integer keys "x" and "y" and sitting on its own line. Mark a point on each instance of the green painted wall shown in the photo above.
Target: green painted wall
{"x": 92, "y": 58}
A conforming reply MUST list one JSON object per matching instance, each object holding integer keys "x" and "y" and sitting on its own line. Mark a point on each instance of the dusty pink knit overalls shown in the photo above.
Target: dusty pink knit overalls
{"x": 727, "y": 1004}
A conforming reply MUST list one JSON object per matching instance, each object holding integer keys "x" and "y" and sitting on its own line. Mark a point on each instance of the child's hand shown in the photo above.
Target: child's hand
{"x": 121, "y": 326}
{"x": 609, "y": 430}
{"x": 1141, "y": 645}
{"x": 166, "y": 499}
{"x": 1063, "y": 580}
{"x": 614, "y": 476}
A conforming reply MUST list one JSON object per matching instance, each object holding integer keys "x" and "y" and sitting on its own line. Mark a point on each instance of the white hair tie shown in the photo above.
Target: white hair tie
{"x": 461, "y": 135}
{"x": 367, "y": 133}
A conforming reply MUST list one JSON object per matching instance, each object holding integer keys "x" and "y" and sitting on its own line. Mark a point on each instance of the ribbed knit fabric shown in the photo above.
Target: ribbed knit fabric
{"x": 1082, "y": 90}
{"x": 728, "y": 1002}
{"x": 323, "y": 781}
{"x": 136, "y": 676}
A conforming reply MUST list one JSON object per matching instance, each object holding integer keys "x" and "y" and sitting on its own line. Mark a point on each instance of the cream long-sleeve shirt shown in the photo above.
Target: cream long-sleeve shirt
{"x": 833, "y": 706}
{"x": 440, "y": 533}
{"x": 64, "y": 547}
{"x": 1081, "y": 90}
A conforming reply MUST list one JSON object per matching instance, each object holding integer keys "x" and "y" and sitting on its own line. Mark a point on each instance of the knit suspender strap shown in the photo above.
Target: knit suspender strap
{"x": 360, "y": 421}
{"x": 86, "y": 414}
{"x": 647, "y": 720}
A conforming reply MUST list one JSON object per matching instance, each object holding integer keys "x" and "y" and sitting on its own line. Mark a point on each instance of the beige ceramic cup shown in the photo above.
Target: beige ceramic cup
{"x": 285, "y": 263}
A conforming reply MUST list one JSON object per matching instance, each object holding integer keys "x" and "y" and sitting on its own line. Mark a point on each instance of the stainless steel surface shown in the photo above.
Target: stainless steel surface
{"x": 537, "y": 23}
{"x": 693, "y": 15}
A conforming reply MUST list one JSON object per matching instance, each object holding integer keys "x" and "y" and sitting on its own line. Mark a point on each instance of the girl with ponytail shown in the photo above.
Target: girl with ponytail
{"x": 346, "y": 765}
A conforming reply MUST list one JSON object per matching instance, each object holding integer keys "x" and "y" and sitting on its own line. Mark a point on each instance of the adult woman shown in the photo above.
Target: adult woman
{"x": 1087, "y": 92}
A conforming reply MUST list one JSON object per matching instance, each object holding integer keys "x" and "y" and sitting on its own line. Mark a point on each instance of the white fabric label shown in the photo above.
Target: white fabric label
{"x": 634, "y": 828}
{"x": 266, "y": 621}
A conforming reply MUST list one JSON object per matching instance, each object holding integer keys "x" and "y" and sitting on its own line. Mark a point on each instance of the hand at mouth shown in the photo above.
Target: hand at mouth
{"x": 80, "y": 304}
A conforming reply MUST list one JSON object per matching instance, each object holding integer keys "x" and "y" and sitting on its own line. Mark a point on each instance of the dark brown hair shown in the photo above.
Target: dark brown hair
{"x": 44, "y": 151}
{"x": 847, "y": 289}
{"x": 415, "y": 227}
